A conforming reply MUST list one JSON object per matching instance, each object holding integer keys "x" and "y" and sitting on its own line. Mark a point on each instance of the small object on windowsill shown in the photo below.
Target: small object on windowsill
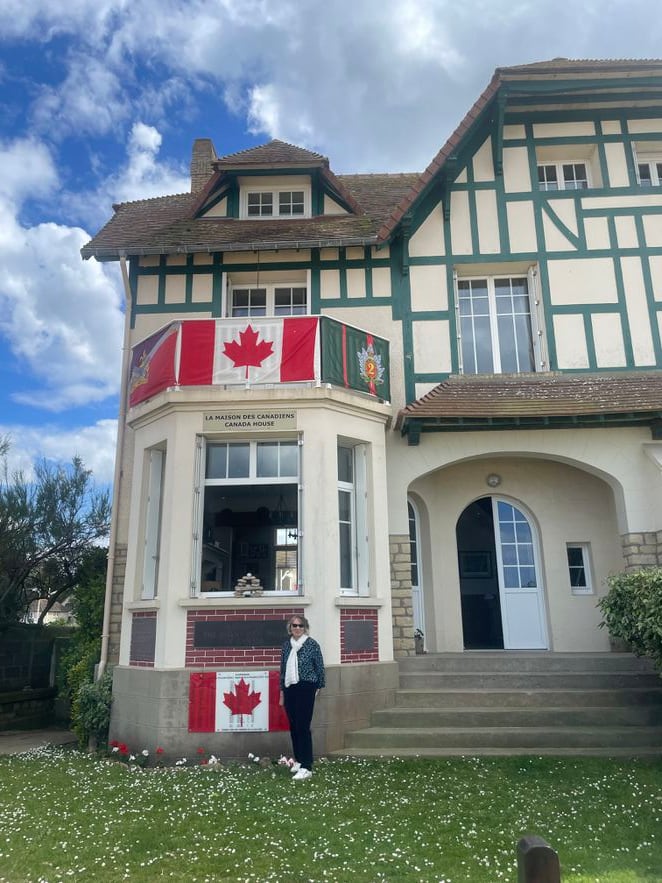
{"x": 248, "y": 587}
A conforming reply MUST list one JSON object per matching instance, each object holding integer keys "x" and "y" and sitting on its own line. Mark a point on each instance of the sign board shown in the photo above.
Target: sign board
{"x": 243, "y": 420}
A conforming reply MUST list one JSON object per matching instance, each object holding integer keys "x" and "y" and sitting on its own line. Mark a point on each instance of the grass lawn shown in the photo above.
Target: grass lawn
{"x": 66, "y": 815}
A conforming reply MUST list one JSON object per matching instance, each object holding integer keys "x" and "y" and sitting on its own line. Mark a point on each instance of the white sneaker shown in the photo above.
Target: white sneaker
{"x": 295, "y": 767}
{"x": 302, "y": 774}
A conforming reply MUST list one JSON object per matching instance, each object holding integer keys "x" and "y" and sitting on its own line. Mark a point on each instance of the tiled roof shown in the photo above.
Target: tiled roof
{"x": 166, "y": 224}
{"x": 556, "y": 67}
{"x": 274, "y": 153}
{"x": 539, "y": 395}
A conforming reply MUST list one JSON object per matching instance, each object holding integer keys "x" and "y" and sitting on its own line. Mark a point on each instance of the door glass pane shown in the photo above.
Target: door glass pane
{"x": 288, "y": 458}
{"x": 516, "y": 548}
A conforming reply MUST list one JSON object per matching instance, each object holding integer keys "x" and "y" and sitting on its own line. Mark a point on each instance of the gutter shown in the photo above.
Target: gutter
{"x": 117, "y": 477}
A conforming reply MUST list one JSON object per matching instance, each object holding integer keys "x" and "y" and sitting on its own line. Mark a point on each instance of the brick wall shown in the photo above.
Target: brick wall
{"x": 244, "y": 656}
{"x": 401, "y": 602}
{"x": 349, "y": 652}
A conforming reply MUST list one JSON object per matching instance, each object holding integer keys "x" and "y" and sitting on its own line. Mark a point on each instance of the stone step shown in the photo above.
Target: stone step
{"x": 615, "y": 716}
{"x": 487, "y": 679}
{"x": 526, "y": 698}
{"x": 524, "y": 661}
{"x": 511, "y": 738}
{"x": 637, "y": 751}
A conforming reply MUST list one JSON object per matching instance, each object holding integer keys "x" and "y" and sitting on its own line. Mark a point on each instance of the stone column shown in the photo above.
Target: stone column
{"x": 401, "y": 601}
{"x": 642, "y": 549}
{"x": 116, "y": 601}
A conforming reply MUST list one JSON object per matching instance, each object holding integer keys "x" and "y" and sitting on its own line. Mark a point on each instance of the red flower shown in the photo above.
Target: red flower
{"x": 123, "y": 749}
{"x": 201, "y": 750}
{"x": 160, "y": 750}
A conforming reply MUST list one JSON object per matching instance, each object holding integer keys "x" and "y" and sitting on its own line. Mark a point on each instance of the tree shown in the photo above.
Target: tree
{"x": 48, "y": 524}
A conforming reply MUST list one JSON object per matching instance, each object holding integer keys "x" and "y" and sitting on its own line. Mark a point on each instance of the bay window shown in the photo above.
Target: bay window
{"x": 352, "y": 519}
{"x": 250, "y": 515}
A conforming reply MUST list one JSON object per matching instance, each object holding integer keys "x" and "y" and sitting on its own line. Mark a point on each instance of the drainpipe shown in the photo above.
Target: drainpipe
{"x": 119, "y": 454}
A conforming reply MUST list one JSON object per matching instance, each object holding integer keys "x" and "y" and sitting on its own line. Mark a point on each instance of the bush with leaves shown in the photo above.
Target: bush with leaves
{"x": 91, "y": 710}
{"x": 632, "y": 611}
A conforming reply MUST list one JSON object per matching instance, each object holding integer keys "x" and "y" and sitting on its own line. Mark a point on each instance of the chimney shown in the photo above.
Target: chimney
{"x": 202, "y": 157}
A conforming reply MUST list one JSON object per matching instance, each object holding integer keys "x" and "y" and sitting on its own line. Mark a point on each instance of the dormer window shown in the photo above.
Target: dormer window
{"x": 269, "y": 300}
{"x": 563, "y": 176}
{"x": 275, "y": 203}
{"x": 650, "y": 173}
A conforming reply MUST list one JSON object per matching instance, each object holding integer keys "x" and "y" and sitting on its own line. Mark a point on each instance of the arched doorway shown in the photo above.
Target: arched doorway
{"x": 500, "y": 584}
{"x": 416, "y": 581}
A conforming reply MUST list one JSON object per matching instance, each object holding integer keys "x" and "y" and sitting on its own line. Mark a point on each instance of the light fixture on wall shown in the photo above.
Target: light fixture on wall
{"x": 493, "y": 480}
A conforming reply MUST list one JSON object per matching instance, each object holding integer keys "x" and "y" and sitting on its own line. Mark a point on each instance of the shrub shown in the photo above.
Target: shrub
{"x": 90, "y": 710}
{"x": 632, "y": 610}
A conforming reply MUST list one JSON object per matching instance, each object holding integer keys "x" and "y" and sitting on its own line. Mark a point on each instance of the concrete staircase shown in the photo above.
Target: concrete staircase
{"x": 518, "y": 703}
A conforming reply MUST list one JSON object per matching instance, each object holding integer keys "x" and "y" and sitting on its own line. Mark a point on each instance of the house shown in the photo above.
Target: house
{"x": 387, "y": 402}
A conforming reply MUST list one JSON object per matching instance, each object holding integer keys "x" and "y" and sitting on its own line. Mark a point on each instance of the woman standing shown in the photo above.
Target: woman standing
{"x": 301, "y": 677}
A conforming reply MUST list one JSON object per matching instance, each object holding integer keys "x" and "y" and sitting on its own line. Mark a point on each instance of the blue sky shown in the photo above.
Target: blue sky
{"x": 100, "y": 101}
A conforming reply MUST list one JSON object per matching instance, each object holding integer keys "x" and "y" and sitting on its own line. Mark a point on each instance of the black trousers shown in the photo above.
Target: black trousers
{"x": 299, "y": 705}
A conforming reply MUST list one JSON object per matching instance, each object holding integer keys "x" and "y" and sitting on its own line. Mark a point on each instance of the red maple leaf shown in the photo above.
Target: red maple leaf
{"x": 242, "y": 700}
{"x": 249, "y": 352}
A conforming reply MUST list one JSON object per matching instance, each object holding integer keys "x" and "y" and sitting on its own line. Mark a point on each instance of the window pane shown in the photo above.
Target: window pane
{"x": 267, "y": 459}
{"x": 345, "y": 464}
{"x": 217, "y": 456}
{"x": 344, "y": 505}
{"x": 645, "y": 174}
{"x": 346, "y": 581}
{"x": 547, "y": 177}
{"x": 238, "y": 460}
{"x": 289, "y": 458}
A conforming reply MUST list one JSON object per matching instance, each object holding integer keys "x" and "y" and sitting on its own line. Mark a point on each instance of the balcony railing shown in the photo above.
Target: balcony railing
{"x": 251, "y": 352}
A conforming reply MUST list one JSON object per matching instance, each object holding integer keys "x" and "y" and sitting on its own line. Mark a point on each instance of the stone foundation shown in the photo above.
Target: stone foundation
{"x": 150, "y": 709}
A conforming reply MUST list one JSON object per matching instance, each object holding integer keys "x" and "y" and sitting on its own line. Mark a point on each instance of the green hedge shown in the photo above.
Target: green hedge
{"x": 632, "y": 611}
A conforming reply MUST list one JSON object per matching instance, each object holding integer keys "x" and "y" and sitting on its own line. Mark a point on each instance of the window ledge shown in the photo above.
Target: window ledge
{"x": 144, "y": 604}
{"x": 231, "y": 601}
{"x": 357, "y": 601}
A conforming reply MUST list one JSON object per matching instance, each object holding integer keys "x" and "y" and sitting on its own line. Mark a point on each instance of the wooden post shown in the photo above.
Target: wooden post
{"x": 537, "y": 862}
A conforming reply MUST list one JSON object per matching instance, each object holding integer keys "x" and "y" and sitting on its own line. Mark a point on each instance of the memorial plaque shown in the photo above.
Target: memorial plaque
{"x": 236, "y": 634}
{"x": 360, "y": 636}
{"x": 143, "y": 638}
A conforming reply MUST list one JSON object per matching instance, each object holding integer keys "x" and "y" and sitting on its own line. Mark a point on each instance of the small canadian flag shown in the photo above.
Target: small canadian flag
{"x": 225, "y": 702}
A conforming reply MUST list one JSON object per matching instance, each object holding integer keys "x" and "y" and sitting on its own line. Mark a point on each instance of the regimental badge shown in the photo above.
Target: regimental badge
{"x": 370, "y": 365}
{"x": 140, "y": 371}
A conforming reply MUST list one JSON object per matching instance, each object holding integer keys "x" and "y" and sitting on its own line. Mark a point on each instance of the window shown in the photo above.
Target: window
{"x": 275, "y": 203}
{"x": 269, "y": 300}
{"x": 352, "y": 519}
{"x": 498, "y": 330}
{"x": 250, "y": 511}
{"x": 153, "y": 512}
{"x": 579, "y": 568}
{"x": 649, "y": 172}
{"x": 563, "y": 176}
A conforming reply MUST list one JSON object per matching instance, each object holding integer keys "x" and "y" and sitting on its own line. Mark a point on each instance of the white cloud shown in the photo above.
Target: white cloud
{"x": 95, "y": 445}
{"x": 62, "y": 318}
{"x": 90, "y": 101}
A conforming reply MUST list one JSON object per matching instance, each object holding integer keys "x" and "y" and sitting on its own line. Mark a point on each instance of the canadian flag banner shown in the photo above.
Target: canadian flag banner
{"x": 224, "y": 702}
{"x": 249, "y": 351}
{"x": 203, "y": 352}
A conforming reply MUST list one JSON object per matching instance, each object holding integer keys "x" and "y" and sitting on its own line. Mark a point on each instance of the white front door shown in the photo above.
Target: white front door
{"x": 520, "y": 590}
{"x": 416, "y": 587}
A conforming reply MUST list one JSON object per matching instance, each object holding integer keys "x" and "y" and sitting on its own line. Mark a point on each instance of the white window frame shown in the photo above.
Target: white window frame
{"x": 252, "y": 478}
{"x": 654, "y": 164}
{"x": 538, "y": 344}
{"x": 275, "y": 193}
{"x": 562, "y": 182}
{"x": 585, "y": 550}
{"x": 155, "y": 468}
{"x": 359, "y": 539}
{"x": 269, "y": 289}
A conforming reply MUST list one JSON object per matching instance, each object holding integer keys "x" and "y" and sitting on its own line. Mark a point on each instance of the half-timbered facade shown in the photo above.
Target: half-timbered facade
{"x": 388, "y": 402}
